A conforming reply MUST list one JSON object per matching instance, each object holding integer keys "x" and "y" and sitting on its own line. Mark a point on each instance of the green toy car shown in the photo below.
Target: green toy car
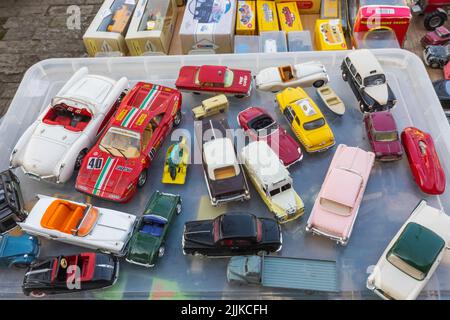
{"x": 147, "y": 242}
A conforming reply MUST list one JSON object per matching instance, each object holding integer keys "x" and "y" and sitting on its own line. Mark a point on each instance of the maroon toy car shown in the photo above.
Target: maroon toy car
{"x": 215, "y": 79}
{"x": 423, "y": 161}
{"x": 259, "y": 125}
{"x": 383, "y": 136}
{"x": 440, "y": 36}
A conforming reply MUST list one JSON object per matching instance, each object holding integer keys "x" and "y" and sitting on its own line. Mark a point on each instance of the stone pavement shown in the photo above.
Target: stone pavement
{"x": 35, "y": 30}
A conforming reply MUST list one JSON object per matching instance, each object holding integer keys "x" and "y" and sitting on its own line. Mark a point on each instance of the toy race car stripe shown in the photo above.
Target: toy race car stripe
{"x": 127, "y": 119}
{"x": 102, "y": 176}
{"x": 149, "y": 97}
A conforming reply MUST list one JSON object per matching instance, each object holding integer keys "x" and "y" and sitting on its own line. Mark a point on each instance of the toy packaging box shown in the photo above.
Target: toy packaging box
{"x": 152, "y": 27}
{"x": 305, "y": 6}
{"x": 246, "y": 18}
{"x": 107, "y": 31}
{"x": 373, "y": 15}
{"x": 328, "y": 35}
{"x": 289, "y": 16}
{"x": 267, "y": 16}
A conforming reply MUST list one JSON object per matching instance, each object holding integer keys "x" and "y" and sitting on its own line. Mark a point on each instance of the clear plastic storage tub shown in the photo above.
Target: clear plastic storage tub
{"x": 390, "y": 196}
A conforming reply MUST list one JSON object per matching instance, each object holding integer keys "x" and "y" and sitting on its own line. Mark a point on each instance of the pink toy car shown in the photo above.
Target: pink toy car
{"x": 337, "y": 204}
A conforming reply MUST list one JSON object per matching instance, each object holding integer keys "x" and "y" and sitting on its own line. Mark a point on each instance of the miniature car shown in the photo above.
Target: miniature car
{"x": 367, "y": 80}
{"x": 331, "y": 100}
{"x": 175, "y": 166}
{"x": 423, "y": 161}
{"x": 436, "y": 57}
{"x": 74, "y": 273}
{"x": 120, "y": 19}
{"x": 231, "y": 234}
{"x": 302, "y": 75}
{"x": 306, "y": 120}
{"x": 11, "y": 202}
{"x": 272, "y": 181}
{"x": 80, "y": 224}
{"x": 18, "y": 252}
{"x": 412, "y": 256}
{"x": 117, "y": 164}
{"x": 56, "y": 143}
{"x": 442, "y": 89}
{"x": 224, "y": 176}
{"x": 440, "y": 36}
{"x": 215, "y": 80}
{"x": 337, "y": 204}
{"x": 259, "y": 125}
{"x": 147, "y": 243}
{"x": 383, "y": 136}
{"x": 211, "y": 106}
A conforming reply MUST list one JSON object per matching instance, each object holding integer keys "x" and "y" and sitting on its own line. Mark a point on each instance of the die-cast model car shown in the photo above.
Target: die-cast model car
{"x": 383, "y": 135}
{"x": 56, "y": 143}
{"x": 306, "y": 119}
{"x": 147, "y": 243}
{"x": 211, "y": 106}
{"x": 439, "y": 36}
{"x": 215, "y": 80}
{"x": 442, "y": 89}
{"x": 11, "y": 202}
{"x": 18, "y": 252}
{"x": 413, "y": 255}
{"x": 366, "y": 78}
{"x": 117, "y": 164}
{"x": 224, "y": 175}
{"x": 236, "y": 233}
{"x": 73, "y": 273}
{"x": 423, "y": 160}
{"x": 331, "y": 100}
{"x": 299, "y": 75}
{"x": 80, "y": 224}
{"x": 436, "y": 57}
{"x": 259, "y": 125}
{"x": 337, "y": 204}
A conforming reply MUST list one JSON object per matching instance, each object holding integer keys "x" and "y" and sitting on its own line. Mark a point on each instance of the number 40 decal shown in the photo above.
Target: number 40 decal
{"x": 95, "y": 163}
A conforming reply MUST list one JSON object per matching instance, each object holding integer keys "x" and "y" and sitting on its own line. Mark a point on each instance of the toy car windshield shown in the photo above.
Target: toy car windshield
{"x": 375, "y": 80}
{"x": 121, "y": 143}
{"x": 263, "y": 124}
{"x": 386, "y": 136}
{"x": 90, "y": 217}
{"x": 315, "y": 124}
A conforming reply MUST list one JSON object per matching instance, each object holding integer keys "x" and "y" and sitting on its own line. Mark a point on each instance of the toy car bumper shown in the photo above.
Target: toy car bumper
{"x": 341, "y": 240}
{"x": 108, "y": 195}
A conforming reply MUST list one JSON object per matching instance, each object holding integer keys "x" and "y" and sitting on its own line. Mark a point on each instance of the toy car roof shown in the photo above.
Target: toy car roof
{"x": 212, "y": 74}
{"x": 383, "y": 121}
{"x": 365, "y": 62}
{"x": 219, "y": 153}
{"x": 238, "y": 225}
{"x": 342, "y": 187}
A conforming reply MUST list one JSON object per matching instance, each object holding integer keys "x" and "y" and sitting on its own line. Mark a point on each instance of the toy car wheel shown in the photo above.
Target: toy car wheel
{"x": 177, "y": 119}
{"x": 200, "y": 118}
{"x": 263, "y": 252}
{"x": 434, "y": 20}
{"x": 434, "y": 64}
{"x": 79, "y": 159}
{"x": 344, "y": 76}
{"x": 142, "y": 178}
{"x": 195, "y": 92}
{"x": 161, "y": 251}
{"x": 178, "y": 209}
{"x": 318, "y": 83}
{"x": 240, "y": 96}
{"x": 37, "y": 294}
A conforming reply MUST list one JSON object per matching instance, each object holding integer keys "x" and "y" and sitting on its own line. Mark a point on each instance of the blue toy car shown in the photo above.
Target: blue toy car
{"x": 18, "y": 252}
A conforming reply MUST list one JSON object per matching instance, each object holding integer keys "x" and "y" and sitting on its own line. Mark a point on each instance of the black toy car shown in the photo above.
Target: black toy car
{"x": 442, "y": 88}
{"x": 11, "y": 202}
{"x": 232, "y": 234}
{"x": 66, "y": 274}
{"x": 436, "y": 56}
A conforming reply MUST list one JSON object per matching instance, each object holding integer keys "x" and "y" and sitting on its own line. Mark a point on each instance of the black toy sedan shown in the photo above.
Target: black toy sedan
{"x": 442, "y": 88}
{"x": 232, "y": 234}
{"x": 66, "y": 274}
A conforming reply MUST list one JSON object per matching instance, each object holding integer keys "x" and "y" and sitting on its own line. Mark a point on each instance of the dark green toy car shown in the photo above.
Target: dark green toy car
{"x": 147, "y": 243}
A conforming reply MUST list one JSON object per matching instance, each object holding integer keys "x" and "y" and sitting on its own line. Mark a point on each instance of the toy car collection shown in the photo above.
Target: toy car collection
{"x": 259, "y": 125}
{"x": 117, "y": 164}
{"x": 11, "y": 202}
{"x": 434, "y": 11}
{"x": 56, "y": 143}
{"x": 299, "y": 75}
{"x": 18, "y": 252}
{"x": 306, "y": 119}
{"x": 412, "y": 256}
{"x": 231, "y": 234}
{"x": 331, "y": 100}
{"x": 211, "y": 106}
{"x": 337, "y": 204}
{"x": 175, "y": 166}
{"x": 440, "y": 36}
{"x": 436, "y": 57}
{"x": 423, "y": 160}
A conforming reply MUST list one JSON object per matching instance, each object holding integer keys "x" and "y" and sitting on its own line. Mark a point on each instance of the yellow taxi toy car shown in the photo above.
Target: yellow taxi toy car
{"x": 306, "y": 119}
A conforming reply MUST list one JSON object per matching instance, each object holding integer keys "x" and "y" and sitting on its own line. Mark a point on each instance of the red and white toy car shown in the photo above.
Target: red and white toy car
{"x": 259, "y": 125}
{"x": 215, "y": 79}
{"x": 118, "y": 163}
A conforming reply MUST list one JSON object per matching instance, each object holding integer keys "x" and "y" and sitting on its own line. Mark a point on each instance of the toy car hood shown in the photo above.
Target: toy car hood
{"x": 380, "y": 93}
{"x": 14, "y": 246}
{"x": 286, "y": 200}
{"x": 308, "y": 69}
{"x": 267, "y": 76}
{"x": 288, "y": 149}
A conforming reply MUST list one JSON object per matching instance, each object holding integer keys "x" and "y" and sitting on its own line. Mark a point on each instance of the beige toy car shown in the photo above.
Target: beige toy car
{"x": 211, "y": 107}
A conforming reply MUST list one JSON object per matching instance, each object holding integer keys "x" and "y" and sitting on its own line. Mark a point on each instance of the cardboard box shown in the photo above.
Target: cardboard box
{"x": 328, "y": 35}
{"x": 152, "y": 27}
{"x": 208, "y": 26}
{"x": 107, "y": 31}
{"x": 306, "y": 6}
{"x": 289, "y": 16}
{"x": 246, "y": 18}
{"x": 267, "y": 16}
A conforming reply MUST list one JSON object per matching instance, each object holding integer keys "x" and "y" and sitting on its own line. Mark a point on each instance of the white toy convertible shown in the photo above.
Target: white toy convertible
{"x": 55, "y": 144}
{"x": 413, "y": 255}
{"x": 299, "y": 75}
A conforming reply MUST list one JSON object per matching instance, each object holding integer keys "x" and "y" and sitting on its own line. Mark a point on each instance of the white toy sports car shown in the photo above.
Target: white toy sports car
{"x": 55, "y": 144}
{"x": 299, "y": 75}
{"x": 80, "y": 224}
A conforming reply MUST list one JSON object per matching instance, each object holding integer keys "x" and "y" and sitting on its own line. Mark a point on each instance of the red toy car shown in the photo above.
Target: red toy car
{"x": 440, "y": 36}
{"x": 423, "y": 161}
{"x": 215, "y": 79}
{"x": 259, "y": 125}
{"x": 383, "y": 135}
{"x": 118, "y": 162}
